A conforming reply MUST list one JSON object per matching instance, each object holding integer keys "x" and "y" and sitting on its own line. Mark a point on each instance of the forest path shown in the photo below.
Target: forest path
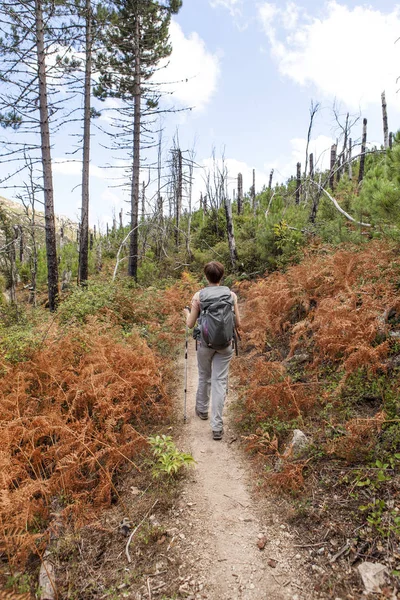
{"x": 223, "y": 521}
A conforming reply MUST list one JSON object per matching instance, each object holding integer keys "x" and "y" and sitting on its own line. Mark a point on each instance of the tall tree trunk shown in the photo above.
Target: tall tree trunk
{"x": 21, "y": 244}
{"x": 143, "y": 201}
{"x": 385, "y": 122}
{"x": 190, "y": 193}
{"x": 342, "y": 157}
{"x": 350, "y": 164}
{"x": 13, "y": 267}
{"x": 390, "y": 140}
{"x": 178, "y": 195}
{"x": 133, "y": 246}
{"x": 84, "y": 237}
{"x": 229, "y": 229}
{"x": 50, "y": 229}
{"x": 312, "y": 165}
{"x": 298, "y": 183}
{"x": 253, "y": 191}
{"x": 270, "y": 179}
{"x": 240, "y": 194}
{"x": 363, "y": 148}
{"x": 333, "y": 163}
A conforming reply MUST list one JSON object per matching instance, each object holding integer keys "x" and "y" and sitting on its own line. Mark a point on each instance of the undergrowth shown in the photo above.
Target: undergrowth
{"x": 78, "y": 408}
{"x": 321, "y": 353}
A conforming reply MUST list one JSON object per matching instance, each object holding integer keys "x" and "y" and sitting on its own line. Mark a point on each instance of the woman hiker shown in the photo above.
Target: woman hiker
{"x": 213, "y": 360}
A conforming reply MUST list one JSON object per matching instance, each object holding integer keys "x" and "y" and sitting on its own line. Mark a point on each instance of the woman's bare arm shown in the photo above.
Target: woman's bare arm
{"x": 191, "y": 317}
{"x": 238, "y": 323}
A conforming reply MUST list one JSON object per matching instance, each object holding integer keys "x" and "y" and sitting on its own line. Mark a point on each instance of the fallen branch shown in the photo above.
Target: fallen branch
{"x": 338, "y": 207}
{"x": 342, "y": 550}
{"x": 128, "y": 556}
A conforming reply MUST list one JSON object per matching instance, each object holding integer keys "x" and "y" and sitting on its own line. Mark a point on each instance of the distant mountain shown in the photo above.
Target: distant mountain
{"x": 17, "y": 214}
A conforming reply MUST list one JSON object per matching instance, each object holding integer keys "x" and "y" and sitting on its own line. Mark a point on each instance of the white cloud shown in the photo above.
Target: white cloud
{"x": 290, "y": 15}
{"x": 348, "y": 53}
{"x": 192, "y": 72}
{"x": 231, "y": 5}
{"x": 64, "y": 166}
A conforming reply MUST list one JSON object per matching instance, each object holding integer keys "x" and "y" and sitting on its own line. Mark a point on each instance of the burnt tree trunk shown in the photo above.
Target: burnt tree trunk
{"x": 230, "y": 232}
{"x": 178, "y": 196}
{"x": 349, "y": 160}
{"x": 240, "y": 194}
{"x": 312, "y": 165}
{"x": 332, "y": 167}
{"x": 50, "y": 228}
{"x": 270, "y": 179}
{"x": 385, "y": 122}
{"x": 133, "y": 245}
{"x": 253, "y": 192}
{"x": 298, "y": 183}
{"x": 21, "y": 244}
{"x": 363, "y": 148}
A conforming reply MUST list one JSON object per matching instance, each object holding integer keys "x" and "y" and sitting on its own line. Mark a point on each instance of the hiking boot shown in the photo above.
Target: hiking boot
{"x": 217, "y": 435}
{"x": 202, "y": 415}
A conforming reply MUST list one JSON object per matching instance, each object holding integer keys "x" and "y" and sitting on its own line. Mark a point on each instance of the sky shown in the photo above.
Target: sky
{"x": 249, "y": 71}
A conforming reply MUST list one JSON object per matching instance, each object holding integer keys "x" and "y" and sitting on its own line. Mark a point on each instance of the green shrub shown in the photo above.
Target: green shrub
{"x": 85, "y": 301}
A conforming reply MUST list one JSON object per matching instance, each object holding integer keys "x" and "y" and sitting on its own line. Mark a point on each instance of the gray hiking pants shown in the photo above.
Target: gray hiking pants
{"x": 213, "y": 368}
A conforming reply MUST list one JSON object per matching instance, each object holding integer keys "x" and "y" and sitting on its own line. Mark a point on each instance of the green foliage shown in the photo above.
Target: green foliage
{"x": 211, "y": 230}
{"x": 149, "y": 270}
{"x": 169, "y": 460}
{"x": 380, "y": 192}
{"x": 381, "y": 515}
{"x": 18, "y": 341}
{"x": 20, "y": 583}
{"x": 86, "y": 301}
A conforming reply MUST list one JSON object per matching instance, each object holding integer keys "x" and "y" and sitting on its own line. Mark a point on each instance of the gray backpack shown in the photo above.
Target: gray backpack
{"x": 217, "y": 317}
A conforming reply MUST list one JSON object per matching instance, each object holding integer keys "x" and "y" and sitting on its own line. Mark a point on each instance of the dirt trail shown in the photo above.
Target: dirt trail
{"x": 222, "y": 522}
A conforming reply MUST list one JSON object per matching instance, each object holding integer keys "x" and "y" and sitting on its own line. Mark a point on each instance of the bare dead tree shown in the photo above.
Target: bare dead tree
{"x": 349, "y": 160}
{"x": 332, "y": 167}
{"x": 177, "y": 187}
{"x": 385, "y": 122}
{"x": 363, "y": 148}
{"x": 298, "y": 182}
{"x": 345, "y": 127}
{"x": 223, "y": 179}
{"x": 311, "y": 166}
{"x": 270, "y": 179}
{"x": 314, "y": 108}
{"x": 339, "y": 208}
{"x": 253, "y": 192}
{"x": 240, "y": 194}
{"x": 190, "y": 170}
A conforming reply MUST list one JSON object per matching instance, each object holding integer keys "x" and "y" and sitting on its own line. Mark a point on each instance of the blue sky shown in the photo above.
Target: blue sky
{"x": 253, "y": 68}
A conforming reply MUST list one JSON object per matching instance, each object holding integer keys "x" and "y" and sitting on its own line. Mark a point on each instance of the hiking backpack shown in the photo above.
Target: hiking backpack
{"x": 217, "y": 317}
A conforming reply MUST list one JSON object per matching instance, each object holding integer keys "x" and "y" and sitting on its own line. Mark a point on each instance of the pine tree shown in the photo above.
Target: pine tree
{"x": 135, "y": 44}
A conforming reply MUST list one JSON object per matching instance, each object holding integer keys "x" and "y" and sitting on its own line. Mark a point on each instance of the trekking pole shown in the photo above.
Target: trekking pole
{"x": 186, "y": 368}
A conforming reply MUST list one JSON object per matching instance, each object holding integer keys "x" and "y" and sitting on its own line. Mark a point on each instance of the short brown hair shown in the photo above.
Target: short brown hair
{"x": 214, "y": 271}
